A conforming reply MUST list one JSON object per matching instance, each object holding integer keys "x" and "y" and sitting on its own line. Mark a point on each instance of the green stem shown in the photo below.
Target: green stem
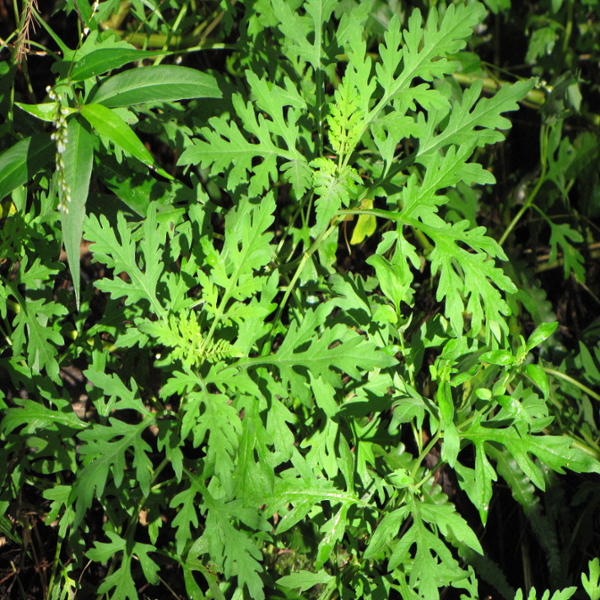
{"x": 568, "y": 28}
{"x": 593, "y": 452}
{"x": 574, "y": 382}
{"x": 190, "y": 43}
{"x": 541, "y": 180}
{"x": 305, "y": 258}
{"x": 424, "y": 453}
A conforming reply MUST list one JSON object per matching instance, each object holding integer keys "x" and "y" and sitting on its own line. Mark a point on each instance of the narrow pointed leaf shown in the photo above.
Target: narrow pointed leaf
{"x": 163, "y": 83}
{"x": 78, "y": 158}
{"x": 22, "y": 161}
{"x": 110, "y": 125}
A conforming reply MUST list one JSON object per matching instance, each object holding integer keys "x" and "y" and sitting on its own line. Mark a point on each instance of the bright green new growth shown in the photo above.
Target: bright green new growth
{"x": 285, "y": 382}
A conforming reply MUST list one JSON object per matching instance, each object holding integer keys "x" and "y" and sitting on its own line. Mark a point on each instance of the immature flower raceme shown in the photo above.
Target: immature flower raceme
{"x": 60, "y": 136}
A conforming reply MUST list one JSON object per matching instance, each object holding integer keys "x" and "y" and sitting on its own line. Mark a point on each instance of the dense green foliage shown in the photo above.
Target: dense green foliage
{"x": 308, "y": 348}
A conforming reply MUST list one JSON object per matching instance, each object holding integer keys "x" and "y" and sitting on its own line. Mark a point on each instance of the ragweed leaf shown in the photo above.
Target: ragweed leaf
{"x": 564, "y": 236}
{"x": 433, "y": 565}
{"x": 121, "y": 579}
{"x": 304, "y": 35}
{"x": 335, "y": 186}
{"x": 106, "y": 447}
{"x": 304, "y": 580}
{"x": 555, "y": 451}
{"x": 227, "y": 150}
{"x": 337, "y": 347}
{"x": 120, "y": 254}
{"x": 32, "y": 326}
{"x": 471, "y": 275}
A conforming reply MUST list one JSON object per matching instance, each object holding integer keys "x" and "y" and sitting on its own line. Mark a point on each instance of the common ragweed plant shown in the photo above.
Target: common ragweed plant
{"x": 251, "y": 393}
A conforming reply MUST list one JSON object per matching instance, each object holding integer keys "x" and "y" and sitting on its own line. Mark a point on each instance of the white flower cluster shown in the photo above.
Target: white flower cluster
{"x": 60, "y": 136}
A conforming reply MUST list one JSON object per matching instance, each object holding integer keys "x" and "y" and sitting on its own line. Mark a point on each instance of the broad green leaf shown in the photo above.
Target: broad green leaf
{"x": 334, "y": 187}
{"x": 78, "y": 158}
{"x": 451, "y": 446}
{"x": 477, "y": 483}
{"x": 301, "y": 491}
{"x": 563, "y": 235}
{"x": 390, "y": 279}
{"x": 114, "y": 387}
{"x": 254, "y": 477}
{"x": 122, "y": 579}
{"x": 137, "y": 190}
{"x": 386, "y": 532}
{"x": 227, "y": 146}
{"x": 162, "y": 83}
{"x": 539, "y": 377}
{"x": 149, "y": 567}
{"x": 445, "y": 517}
{"x": 464, "y": 274}
{"x": 186, "y": 518}
{"x": 324, "y": 396}
{"x": 471, "y": 115}
{"x": 103, "y": 551}
{"x": 272, "y": 99}
{"x": 234, "y": 550}
{"x": 246, "y": 248}
{"x": 365, "y": 225}
{"x": 502, "y": 358}
{"x": 23, "y": 161}
{"x": 541, "y": 334}
{"x": 520, "y": 485}
{"x": 194, "y": 564}
{"x": 45, "y": 112}
{"x": 422, "y": 52}
{"x": 106, "y": 59}
{"x": 110, "y": 125}
{"x": 433, "y": 565}
{"x": 213, "y": 420}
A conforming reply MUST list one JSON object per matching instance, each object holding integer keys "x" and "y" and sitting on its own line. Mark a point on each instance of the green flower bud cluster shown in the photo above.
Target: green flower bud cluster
{"x": 61, "y": 137}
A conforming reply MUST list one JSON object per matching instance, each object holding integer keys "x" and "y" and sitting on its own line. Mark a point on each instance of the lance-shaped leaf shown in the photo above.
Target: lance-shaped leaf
{"x": 22, "y": 161}
{"x": 110, "y": 125}
{"x": 78, "y": 158}
{"x": 102, "y": 60}
{"x": 304, "y": 580}
{"x": 162, "y": 83}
